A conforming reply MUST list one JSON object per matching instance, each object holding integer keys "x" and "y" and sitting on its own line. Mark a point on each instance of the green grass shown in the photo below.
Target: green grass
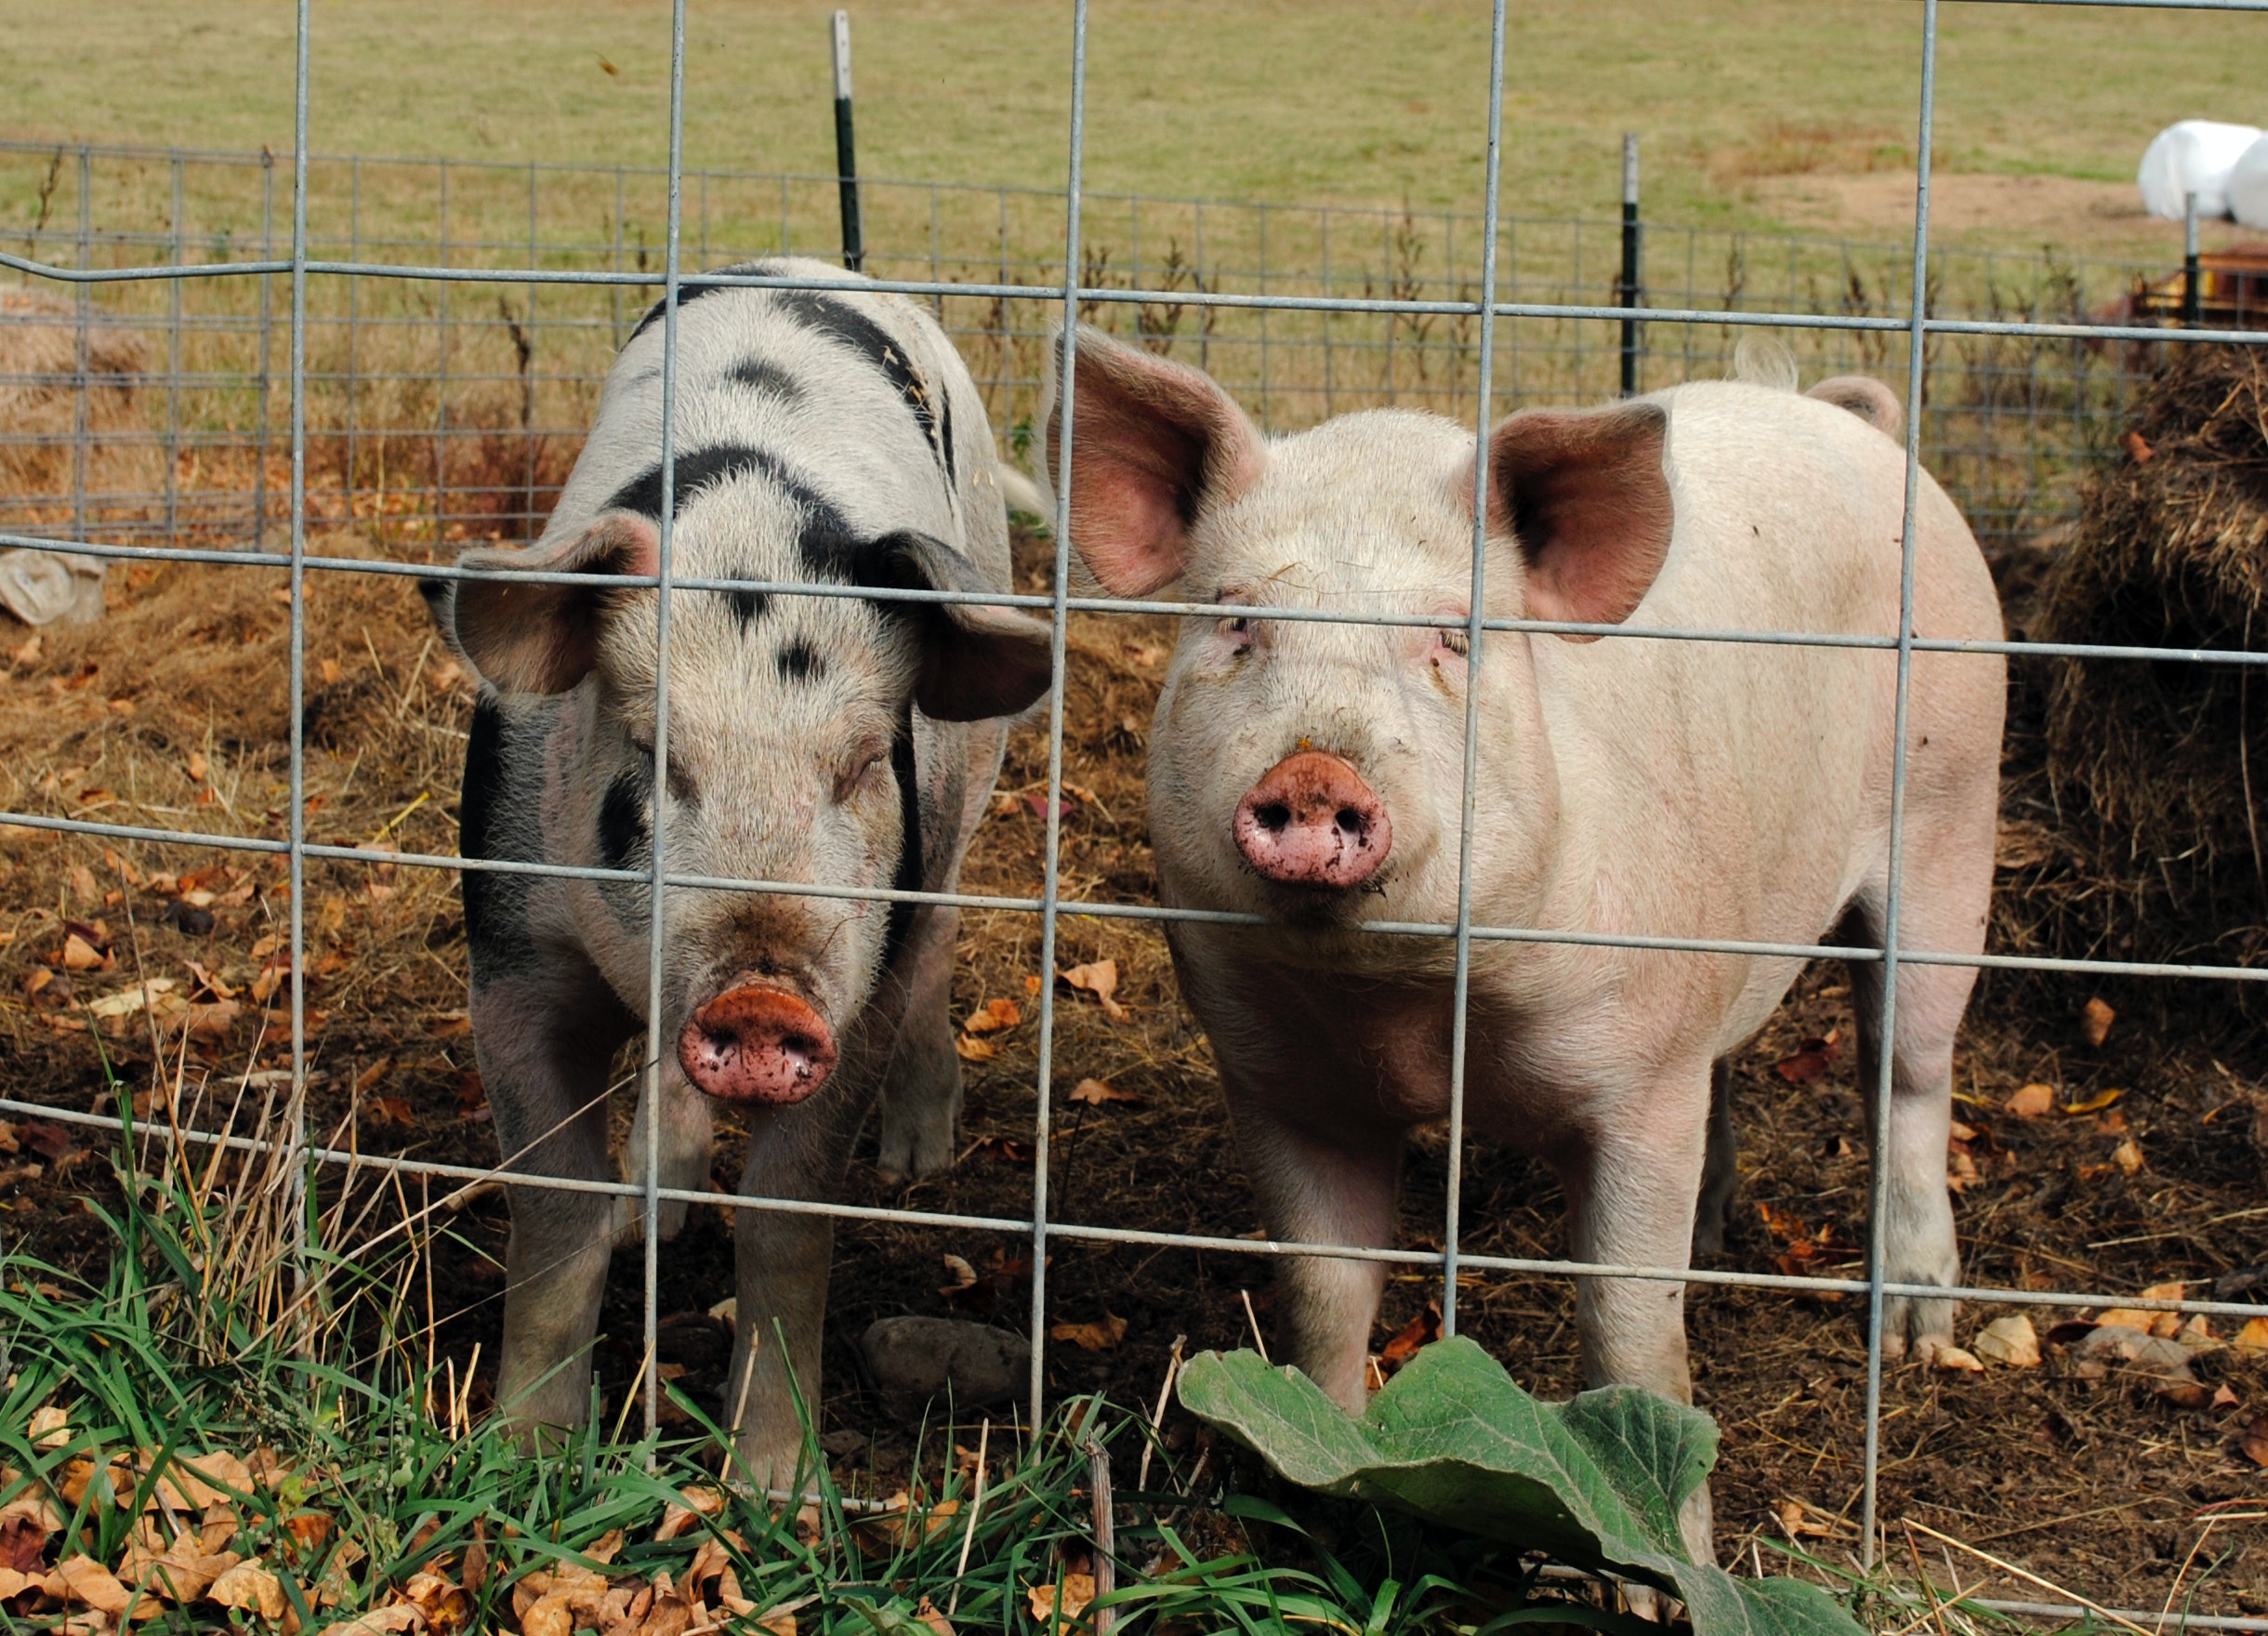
{"x": 190, "y": 1341}
{"x": 1306, "y": 100}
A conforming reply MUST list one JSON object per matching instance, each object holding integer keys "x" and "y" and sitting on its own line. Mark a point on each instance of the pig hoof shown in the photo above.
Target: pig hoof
{"x": 1916, "y": 1328}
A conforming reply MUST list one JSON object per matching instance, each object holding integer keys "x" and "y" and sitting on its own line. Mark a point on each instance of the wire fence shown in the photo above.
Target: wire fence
{"x": 439, "y": 413}
{"x": 403, "y": 355}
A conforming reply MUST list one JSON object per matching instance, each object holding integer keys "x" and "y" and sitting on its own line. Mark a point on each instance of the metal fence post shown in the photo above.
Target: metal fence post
{"x": 268, "y": 251}
{"x": 83, "y": 382}
{"x": 2193, "y": 282}
{"x": 1627, "y": 287}
{"x": 179, "y": 250}
{"x": 846, "y": 157}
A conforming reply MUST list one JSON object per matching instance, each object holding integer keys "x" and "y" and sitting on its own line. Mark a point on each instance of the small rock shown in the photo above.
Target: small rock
{"x": 917, "y": 1360}
{"x": 2010, "y": 1340}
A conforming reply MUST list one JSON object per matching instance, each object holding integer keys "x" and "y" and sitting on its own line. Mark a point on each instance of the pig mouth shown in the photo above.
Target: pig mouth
{"x": 756, "y": 1042}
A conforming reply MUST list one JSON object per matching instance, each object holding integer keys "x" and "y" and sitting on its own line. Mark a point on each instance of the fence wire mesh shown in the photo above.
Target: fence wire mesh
{"x": 437, "y": 376}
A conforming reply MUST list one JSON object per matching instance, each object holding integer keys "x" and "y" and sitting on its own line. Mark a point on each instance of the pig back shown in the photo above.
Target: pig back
{"x": 1741, "y": 790}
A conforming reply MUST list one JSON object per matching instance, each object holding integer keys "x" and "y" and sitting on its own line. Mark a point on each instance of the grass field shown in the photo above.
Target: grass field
{"x": 1288, "y": 100}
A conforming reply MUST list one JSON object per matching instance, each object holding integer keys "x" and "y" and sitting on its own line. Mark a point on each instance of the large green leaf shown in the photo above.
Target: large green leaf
{"x": 1597, "y": 1482}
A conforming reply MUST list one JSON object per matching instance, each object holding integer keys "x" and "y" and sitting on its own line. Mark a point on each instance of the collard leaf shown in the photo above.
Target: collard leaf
{"x": 1598, "y": 1481}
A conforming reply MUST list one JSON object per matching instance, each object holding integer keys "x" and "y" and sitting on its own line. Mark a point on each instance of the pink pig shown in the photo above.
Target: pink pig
{"x": 1310, "y": 773}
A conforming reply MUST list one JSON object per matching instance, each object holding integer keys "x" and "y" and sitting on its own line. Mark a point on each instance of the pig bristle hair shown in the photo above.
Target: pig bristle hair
{"x": 1764, "y": 359}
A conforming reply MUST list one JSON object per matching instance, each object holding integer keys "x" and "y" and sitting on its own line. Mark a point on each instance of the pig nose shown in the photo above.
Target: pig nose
{"x": 756, "y": 1043}
{"x": 1311, "y": 820}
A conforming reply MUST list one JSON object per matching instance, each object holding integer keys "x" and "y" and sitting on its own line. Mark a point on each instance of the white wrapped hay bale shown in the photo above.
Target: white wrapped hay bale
{"x": 2249, "y": 186}
{"x": 2195, "y": 156}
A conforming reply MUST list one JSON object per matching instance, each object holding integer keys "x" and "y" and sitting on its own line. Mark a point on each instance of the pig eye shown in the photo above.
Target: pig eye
{"x": 1457, "y": 641}
{"x": 868, "y": 760}
{"x": 681, "y": 787}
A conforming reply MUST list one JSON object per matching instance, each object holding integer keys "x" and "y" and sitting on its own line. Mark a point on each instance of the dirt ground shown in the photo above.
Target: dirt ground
{"x": 173, "y": 713}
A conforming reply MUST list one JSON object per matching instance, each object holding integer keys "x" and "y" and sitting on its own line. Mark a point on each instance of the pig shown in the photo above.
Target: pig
{"x": 1310, "y": 773}
{"x": 835, "y": 741}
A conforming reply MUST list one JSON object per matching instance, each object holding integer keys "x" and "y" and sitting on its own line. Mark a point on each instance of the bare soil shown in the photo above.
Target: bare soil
{"x": 2105, "y": 1488}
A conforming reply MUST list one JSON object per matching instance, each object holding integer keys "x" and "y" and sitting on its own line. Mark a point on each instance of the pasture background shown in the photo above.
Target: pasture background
{"x": 1311, "y": 100}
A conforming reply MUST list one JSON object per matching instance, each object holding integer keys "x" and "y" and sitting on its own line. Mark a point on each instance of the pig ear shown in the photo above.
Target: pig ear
{"x": 544, "y": 638}
{"x": 1864, "y": 397}
{"x": 1583, "y": 494}
{"x": 976, "y": 662}
{"x": 1152, "y": 444}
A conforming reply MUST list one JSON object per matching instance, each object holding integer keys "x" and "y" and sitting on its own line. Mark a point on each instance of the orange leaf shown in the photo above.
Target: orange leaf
{"x": 1100, "y": 1337}
{"x": 1097, "y": 1091}
{"x": 2095, "y": 1103}
{"x": 993, "y": 1016}
{"x": 2096, "y": 1021}
{"x": 1099, "y": 978}
{"x": 2032, "y": 1101}
{"x": 1809, "y": 1062}
{"x": 975, "y": 1051}
{"x": 1077, "y": 1591}
{"x": 1421, "y": 1330}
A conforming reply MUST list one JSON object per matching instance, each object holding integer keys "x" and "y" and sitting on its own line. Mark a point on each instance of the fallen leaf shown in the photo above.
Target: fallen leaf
{"x": 50, "y": 1427}
{"x": 80, "y": 955}
{"x": 2095, "y": 1103}
{"x": 993, "y": 1016}
{"x": 1009, "y": 1149}
{"x": 198, "y": 766}
{"x": 2032, "y": 1101}
{"x": 2095, "y": 1020}
{"x": 2222, "y": 1397}
{"x": 1421, "y": 1330}
{"x": 250, "y": 1587}
{"x": 2254, "y": 1440}
{"x": 1954, "y": 1357}
{"x": 1077, "y": 1591}
{"x": 2127, "y": 1155}
{"x": 1031, "y": 985}
{"x": 1099, "y": 978}
{"x": 975, "y": 1051}
{"x": 964, "y": 1277}
{"x": 128, "y": 1001}
{"x": 2137, "y": 446}
{"x": 1098, "y": 1091}
{"x": 1098, "y": 1336}
{"x": 83, "y": 1579}
{"x": 392, "y": 1111}
{"x": 13, "y": 1582}
{"x": 2254, "y": 1336}
{"x": 691, "y": 1505}
{"x": 391, "y": 1620}
{"x": 1810, "y": 1062}
{"x": 2010, "y": 1340}
{"x": 926, "y": 1613}
{"x": 23, "y": 1545}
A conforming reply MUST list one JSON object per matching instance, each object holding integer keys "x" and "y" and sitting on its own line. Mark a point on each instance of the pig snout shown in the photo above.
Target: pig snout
{"x": 1311, "y": 820}
{"x": 756, "y": 1043}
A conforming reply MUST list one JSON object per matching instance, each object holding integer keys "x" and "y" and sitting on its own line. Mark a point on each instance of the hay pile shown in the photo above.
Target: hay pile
{"x": 2137, "y": 828}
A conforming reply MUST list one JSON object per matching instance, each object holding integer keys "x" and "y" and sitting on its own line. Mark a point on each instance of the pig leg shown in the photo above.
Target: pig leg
{"x": 1321, "y": 1189}
{"x": 1631, "y": 1187}
{"x": 546, "y": 1036}
{"x": 922, "y": 1092}
{"x": 687, "y": 1140}
{"x": 799, "y": 1152}
{"x": 1917, "y": 1238}
{"x": 1720, "y": 1166}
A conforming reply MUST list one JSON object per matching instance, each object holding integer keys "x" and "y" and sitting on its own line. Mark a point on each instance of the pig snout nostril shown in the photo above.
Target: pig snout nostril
{"x": 756, "y": 1042}
{"x": 1310, "y": 821}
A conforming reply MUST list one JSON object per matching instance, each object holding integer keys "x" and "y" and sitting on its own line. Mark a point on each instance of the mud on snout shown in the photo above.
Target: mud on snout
{"x": 756, "y": 1026}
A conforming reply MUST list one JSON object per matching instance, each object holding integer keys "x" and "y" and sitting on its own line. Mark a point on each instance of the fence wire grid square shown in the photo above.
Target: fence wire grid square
{"x": 1418, "y": 322}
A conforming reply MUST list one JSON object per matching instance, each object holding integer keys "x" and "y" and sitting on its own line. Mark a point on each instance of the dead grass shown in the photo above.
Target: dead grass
{"x": 2099, "y": 1486}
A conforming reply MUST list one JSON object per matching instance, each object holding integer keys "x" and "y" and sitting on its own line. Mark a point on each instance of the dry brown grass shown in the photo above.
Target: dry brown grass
{"x": 2097, "y": 1483}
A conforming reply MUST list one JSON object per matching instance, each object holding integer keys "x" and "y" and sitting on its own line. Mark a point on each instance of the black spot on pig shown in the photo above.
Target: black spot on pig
{"x": 623, "y": 830}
